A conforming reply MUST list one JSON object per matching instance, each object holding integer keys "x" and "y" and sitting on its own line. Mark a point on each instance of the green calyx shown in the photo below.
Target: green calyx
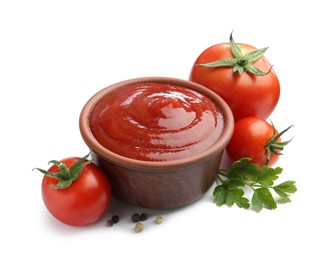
{"x": 66, "y": 176}
{"x": 274, "y": 147}
{"x": 240, "y": 62}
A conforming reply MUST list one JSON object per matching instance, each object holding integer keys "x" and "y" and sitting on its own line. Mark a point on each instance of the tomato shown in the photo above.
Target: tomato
{"x": 241, "y": 75}
{"x": 256, "y": 139}
{"x": 81, "y": 202}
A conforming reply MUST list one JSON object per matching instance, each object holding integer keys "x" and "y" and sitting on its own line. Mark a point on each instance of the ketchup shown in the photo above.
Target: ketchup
{"x": 156, "y": 122}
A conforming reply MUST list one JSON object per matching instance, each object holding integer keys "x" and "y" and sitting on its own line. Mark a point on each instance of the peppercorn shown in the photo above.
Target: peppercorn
{"x": 143, "y": 217}
{"x": 136, "y": 217}
{"x": 159, "y": 220}
{"x": 138, "y": 227}
{"x": 109, "y": 223}
{"x": 115, "y": 219}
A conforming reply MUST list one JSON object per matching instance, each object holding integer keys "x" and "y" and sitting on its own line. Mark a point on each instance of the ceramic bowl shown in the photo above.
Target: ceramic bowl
{"x": 162, "y": 184}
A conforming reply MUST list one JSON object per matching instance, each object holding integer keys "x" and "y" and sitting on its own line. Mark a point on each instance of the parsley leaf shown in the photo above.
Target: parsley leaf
{"x": 236, "y": 196}
{"x": 284, "y": 188}
{"x": 225, "y": 195}
{"x": 243, "y": 173}
{"x": 267, "y": 175}
{"x": 262, "y": 198}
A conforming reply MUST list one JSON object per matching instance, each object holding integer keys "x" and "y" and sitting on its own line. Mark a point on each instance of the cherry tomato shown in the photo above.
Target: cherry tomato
{"x": 241, "y": 75}
{"x": 256, "y": 139}
{"x": 79, "y": 201}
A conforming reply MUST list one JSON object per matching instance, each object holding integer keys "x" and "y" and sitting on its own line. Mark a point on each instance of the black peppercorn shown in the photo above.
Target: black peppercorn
{"x": 109, "y": 223}
{"x": 115, "y": 219}
{"x": 143, "y": 217}
{"x": 136, "y": 217}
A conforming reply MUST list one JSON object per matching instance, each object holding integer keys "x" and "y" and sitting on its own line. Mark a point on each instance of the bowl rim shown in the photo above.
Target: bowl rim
{"x": 108, "y": 155}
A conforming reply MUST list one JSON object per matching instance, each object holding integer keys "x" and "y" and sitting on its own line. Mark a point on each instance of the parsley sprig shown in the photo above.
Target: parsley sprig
{"x": 243, "y": 173}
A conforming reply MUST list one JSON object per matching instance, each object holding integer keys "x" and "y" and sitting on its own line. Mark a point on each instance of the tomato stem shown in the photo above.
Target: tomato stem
{"x": 66, "y": 176}
{"x": 273, "y": 147}
{"x": 240, "y": 62}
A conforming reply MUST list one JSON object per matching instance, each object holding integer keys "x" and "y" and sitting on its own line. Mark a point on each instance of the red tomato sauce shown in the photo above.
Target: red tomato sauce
{"x": 156, "y": 122}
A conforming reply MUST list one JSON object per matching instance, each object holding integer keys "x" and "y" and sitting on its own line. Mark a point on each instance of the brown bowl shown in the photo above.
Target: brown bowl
{"x": 163, "y": 184}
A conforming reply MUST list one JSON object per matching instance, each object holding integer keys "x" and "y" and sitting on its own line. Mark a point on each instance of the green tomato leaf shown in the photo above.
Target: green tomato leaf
{"x": 54, "y": 175}
{"x": 255, "y": 55}
{"x": 229, "y": 62}
{"x": 77, "y": 168}
{"x": 239, "y": 62}
{"x": 66, "y": 176}
{"x": 254, "y": 70}
{"x": 263, "y": 198}
{"x": 238, "y": 69}
{"x": 63, "y": 184}
{"x": 235, "y": 49}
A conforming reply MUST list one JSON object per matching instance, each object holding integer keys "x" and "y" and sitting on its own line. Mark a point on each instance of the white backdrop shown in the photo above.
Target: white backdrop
{"x": 55, "y": 54}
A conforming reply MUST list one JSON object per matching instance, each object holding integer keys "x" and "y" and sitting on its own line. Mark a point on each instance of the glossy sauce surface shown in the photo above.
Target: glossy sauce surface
{"x": 156, "y": 122}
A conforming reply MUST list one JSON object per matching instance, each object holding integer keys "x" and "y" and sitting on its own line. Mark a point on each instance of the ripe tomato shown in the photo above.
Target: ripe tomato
{"x": 256, "y": 139}
{"x": 78, "y": 203}
{"x": 244, "y": 78}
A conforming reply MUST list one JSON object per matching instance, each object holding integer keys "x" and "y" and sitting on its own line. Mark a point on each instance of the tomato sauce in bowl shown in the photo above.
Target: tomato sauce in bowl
{"x": 156, "y": 122}
{"x": 160, "y": 140}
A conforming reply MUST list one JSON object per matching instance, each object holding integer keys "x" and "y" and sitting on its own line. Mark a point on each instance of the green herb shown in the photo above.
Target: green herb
{"x": 243, "y": 173}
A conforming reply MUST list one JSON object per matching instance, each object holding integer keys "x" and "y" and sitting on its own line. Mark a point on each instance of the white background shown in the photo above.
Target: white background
{"x": 54, "y": 55}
